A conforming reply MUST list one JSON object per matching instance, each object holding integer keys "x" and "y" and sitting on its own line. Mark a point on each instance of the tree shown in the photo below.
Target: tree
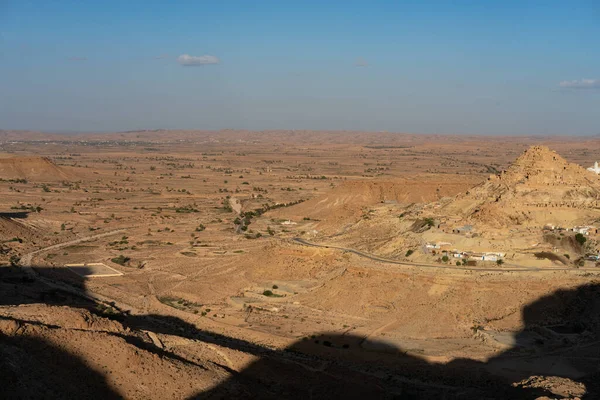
{"x": 445, "y": 259}
{"x": 409, "y": 252}
{"x": 580, "y": 238}
{"x": 499, "y": 261}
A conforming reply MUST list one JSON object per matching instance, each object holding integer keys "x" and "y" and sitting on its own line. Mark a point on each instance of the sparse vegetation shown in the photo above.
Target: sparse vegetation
{"x": 269, "y": 293}
{"x": 182, "y": 304}
{"x": 421, "y": 225}
{"x": 121, "y": 260}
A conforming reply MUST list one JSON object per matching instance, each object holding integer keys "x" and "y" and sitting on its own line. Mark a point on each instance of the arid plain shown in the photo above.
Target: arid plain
{"x": 237, "y": 264}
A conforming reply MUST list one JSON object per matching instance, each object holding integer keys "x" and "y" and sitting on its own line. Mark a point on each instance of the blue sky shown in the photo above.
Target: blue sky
{"x": 475, "y": 67}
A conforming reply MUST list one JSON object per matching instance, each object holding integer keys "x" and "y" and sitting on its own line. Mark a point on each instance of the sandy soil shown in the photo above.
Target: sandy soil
{"x": 217, "y": 299}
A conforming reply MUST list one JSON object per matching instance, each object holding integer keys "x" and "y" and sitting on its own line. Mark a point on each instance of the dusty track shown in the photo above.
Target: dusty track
{"x": 26, "y": 261}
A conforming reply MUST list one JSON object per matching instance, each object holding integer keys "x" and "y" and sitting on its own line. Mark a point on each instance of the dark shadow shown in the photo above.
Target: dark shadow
{"x": 336, "y": 366}
{"x": 33, "y": 368}
{"x": 14, "y": 214}
{"x": 561, "y": 338}
{"x": 17, "y": 288}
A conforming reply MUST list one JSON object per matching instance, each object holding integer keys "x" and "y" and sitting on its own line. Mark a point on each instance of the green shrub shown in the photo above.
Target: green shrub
{"x": 409, "y": 252}
{"x": 14, "y": 260}
{"x": 121, "y": 260}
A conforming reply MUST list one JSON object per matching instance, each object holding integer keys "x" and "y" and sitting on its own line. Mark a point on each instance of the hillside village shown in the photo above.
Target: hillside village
{"x": 541, "y": 211}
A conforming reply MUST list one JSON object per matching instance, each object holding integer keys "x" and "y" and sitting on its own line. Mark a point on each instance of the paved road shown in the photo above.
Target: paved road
{"x": 422, "y": 265}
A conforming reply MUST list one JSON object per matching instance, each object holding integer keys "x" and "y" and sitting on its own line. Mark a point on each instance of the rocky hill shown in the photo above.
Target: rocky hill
{"x": 536, "y": 188}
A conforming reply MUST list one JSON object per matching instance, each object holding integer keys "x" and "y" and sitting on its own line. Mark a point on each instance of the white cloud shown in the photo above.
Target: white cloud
{"x": 361, "y": 62}
{"x": 581, "y": 84}
{"x": 191, "y": 61}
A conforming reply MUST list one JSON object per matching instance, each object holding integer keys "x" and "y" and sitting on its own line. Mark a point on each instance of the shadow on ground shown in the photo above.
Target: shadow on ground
{"x": 560, "y": 339}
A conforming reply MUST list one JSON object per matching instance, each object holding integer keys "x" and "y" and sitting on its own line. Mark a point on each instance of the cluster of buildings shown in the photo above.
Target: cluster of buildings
{"x": 584, "y": 229}
{"x": 445, "y": 250}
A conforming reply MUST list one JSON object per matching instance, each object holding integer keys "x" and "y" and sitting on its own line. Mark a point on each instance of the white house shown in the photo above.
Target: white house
{"x": 595, "y": 169}
{"x": 584, "y": 230}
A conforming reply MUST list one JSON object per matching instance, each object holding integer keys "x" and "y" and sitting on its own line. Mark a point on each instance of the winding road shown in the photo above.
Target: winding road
{"x": 373, "y": 257}
{"x": 26, "y": 265}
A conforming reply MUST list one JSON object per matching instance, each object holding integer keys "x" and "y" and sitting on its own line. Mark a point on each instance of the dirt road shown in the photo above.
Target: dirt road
{"x": 27, "y": 259}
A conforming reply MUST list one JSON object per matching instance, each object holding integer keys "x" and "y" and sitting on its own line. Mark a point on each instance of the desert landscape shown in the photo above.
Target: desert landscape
{"x": 298, "y": 264}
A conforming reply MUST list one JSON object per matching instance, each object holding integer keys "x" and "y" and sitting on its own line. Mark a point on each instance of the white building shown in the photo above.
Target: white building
{"x": 584, "y": 230}
{"x": 595, "y": 168}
